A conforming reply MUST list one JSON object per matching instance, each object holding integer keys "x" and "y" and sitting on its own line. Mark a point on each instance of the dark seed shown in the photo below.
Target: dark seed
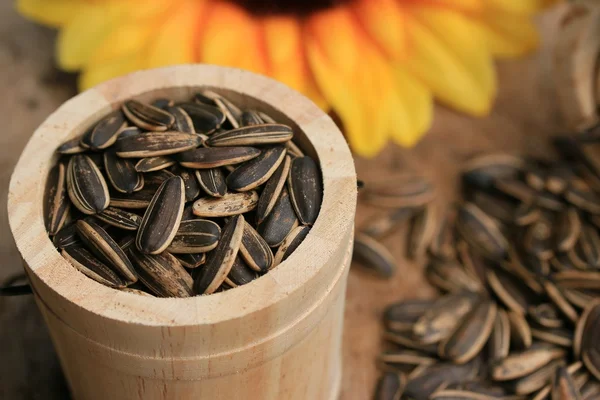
{"x": 86, "y": 186}
{"x": 162, "y": 103}
{"x": 71, "y": 146}
{"x": 226, "y": 206}
{"x": 280, "y": 221}
{"x": 221, "y": 259}
{"x": 162, "y": 274}
{"x": 195, "y": 236}
{"x": 520, "y": 364}
{"x": 212, "y": 181}
{"x": 272, "y": 190}
{"x": 374, "y": 256}
{"x": 162, "y": 217}
{"x": 254, "y": 135}
{"x": 306, "y": 189}
{"x": 90, "y": 266}
{"x": 121, "y": 173}
{"x": 481, "y": 231}
{"x": 240, "y": 274}
{"x": 105, "y": 133}
{"x": 212, "y": 157}
{"x": 406, "y": 190}
{"x": 120, "y": 218}
{"x": 135, "y": 200}
{"x": 568, "y": 229}
{"x": 422, "y": 231}
{"x": 254, "y": 173}
{"x": 191, "y": 261}
{"x": 255, "y": 251}
{"x": 206, "y": 119}
{"x": 250, "y": 118}
{"x": 401, "y": 316}
{"x": 146, "y": 116}
{"x": 183, "y": 122}
{"x": 56, "y": 202}
{"x": 192, "y": 188}
{"x": 66, "y": 237}
{"x": 150, "y": 164}
{"x": 153, "y": 144}
{"x": 291, "y": 243}
{"x": 564, "y": 387}
{"x": 390, "y": 387}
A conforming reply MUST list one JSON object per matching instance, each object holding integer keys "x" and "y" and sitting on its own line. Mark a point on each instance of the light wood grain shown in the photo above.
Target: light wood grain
{"x": 276, "y": 337}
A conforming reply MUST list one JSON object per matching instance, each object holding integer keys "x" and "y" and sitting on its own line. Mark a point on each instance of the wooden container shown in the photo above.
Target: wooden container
{"x": 278, "y": 337}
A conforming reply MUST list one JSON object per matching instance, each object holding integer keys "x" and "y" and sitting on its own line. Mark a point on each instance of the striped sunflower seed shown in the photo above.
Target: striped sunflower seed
{"x": 162, "y": 217}
{"x": 557, "y": 336}
{"x": 122, "y": 174}
{"x": 150, "y": 164}
{"x": 405, "y": 340}
{"x": 291, "y": 243}
{"x": 499, "y": 344}
{"x": 422, "y": 231}
{"x": 443, "y": 242}
{"x": 373, "y": 256}
{"x": 454, "y": 394}
{"x": 195, "y": 236}
{"x": 120, "y": 218}
{"x": 106, "y": 249}
{"x": 387, "y": 223}
{"x": 212, "y": 157}
{"x": 559, "y": 300}
{"x": 405, "y": 190}
{"x": 128, "y": 131}
{"x": 228, "y": 205}
{"x": 447, "y": 276}
{"x": 520, "y": 364}
{"x": 437, "y": 376}
{"x": 232, "y": 113}
{"x": 221, "y": 259}
{"x": 206, "y": 119}
{"x": 401, "y": 316}
{"x": 293, "y": 149}
{"x": 135, "y": 200}
{"x": 390, "y": 386}
{"x": 240, "y": 274}
{"x": 481, "y": 172}
{"x": 501, "y": 208}
{"x": 183, "y": 122}
{"x": 520, "y": 331}
{"x": 127, "y": 241}
{"x": 86, "y": 186}
{"x": 162, "y": 274}
{"x": 589, "y": 342}
{"x": 66, "y": 237}
{"x": 511, "y": 291}
{"x": 280, "y": 222}
{"x": 250, "y": 118}
{"x": 254, "y": 173}
{"x": 253, "y": 135}
{"x": 537, "y": 380}
{"x": 105, "y": 133}
{"x": 481, "y": 232}
{"x": 87, "y": 264}
{"x": 56, "y": 203}
{"x": 568, "y": 229}
{"x": 537, "y": 239}
{"x": 71, "y": 146}
{"x": 192, "y": 188}
{"x": 272, "y": 190}
{"x": 153, "y": 144}
{"x": 162, "y": 103}
{"x": 306, "y": 189}
{"x": 147, "y": 117}
{"x": 563, "y": 387}
{"x": 471, "y": 334}
{"x": 546, "y": 315}
{"x": 191, "y": 261}
{"x": 212, "y": 181}
{"x": 255, "y": 251}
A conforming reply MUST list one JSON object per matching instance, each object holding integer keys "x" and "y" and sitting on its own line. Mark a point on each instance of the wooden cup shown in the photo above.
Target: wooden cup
{"x": 278, "y": 337}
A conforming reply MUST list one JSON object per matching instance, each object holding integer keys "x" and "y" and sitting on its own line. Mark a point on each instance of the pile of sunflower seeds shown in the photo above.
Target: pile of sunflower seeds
{"x": 517, "y": 263}
{"x": 179, "y": 199}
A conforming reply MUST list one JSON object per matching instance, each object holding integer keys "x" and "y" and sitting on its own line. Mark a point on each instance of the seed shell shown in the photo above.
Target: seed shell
{"x": 568, "y": 229}
{"x": 150, "y": 164}
{"x": 240, "y": 274}
{"x": 563, "y": 387}
{"x": 212, "y": 181}
{"x": 402, "y": 316}
{"x": 56, "y": 202}
{"x": 255, "y": 251}
{"x": 221, "y": 259}
{"x": 162, "y": 274}
{"x": 121, "y": 173}
{"x": 250, "y": 117}
{"x": 374, "y": 256}
{"x": 162, "y": 217}
{"x": 195, "y": 236}
{"x": 212, "y": 157}
{"x": 66, "y": 237}
{"x": 520, "y": 364}
{"x": 254, "y": 135}
{"x": 422, "y": 231}
{"x": 147, "y": 117}
{"x": 400, "y": 191}
{"x": 280, "y": 221}
{"x": 306, "y": 189}
{"x": 206, "y": 118}
{"x": 291, "y": 243}
{"x": 71, "y": 146}
{"x": 228, "y": 205}
{"x": 390, "y": 386}
{"x": 183, "y": 122}
{"x": 520, "y": 331}
{"x": 481, "y": 231}
{"x": 192, "y": 188}
{"x": 90, "y": 266}
{"x": 105, "y": 133}
{"x": 499, "y": 345}
{"x": 135, "y": 200}
{"x": 272, "y": 190}
{"x": 120, "y": 218}
{"x": 86, "y": 186}
{"x": 191, "y": 261}
{"x": 254, "y": 173}
{"x": 153, "y": 144}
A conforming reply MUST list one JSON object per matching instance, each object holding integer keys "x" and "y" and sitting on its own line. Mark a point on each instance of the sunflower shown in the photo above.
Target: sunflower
{"x": 378, "y": 64}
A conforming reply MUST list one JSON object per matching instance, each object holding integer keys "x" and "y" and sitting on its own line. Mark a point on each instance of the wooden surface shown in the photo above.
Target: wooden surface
{"x": 524, "y": 116}
{"x": 279, "y": 337}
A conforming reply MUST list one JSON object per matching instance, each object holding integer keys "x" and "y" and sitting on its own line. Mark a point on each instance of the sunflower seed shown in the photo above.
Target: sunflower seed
{"x": 291, "y": 243}
{"x": 254, "y": 173}
{"x": 400, "y": 191}
{"x": 563, "y": 387}
{"x": 71, "y": 146}
{"x": 192, "y": 188}
{"x": 280, "y": 222}
{"x": 222, "y": 258}
{"x": 481, "y": 172}
{"x": 538, "y": 379}
{"x": 120, "y": 218}
{"x": 212, "y": 181}
{"x": 56, "y": 202}
{"x": 254, "y": 135}
{"x": 568, "y": 229}
{"x": 272, "y": 190}
{"x": 162, "y": 217}
{"x": 501, "y": 208}
{"x": 183, "y": 122}
{"x": 586, "y": 325}
{"x": 195, "y": 236}
{"x": 374, "y": 256}
{"x": 447, "y": 276}
{"x": 90, "y": 266}
{"x": 232, "y": 113}
{"x": 588, "y": 246}
{"x": 589, "y": 343}
{"x": 520, "y": 364}
{"x": 121, "y": 173}
{"x": 148, "y": 117}
{"x": 105, "y": 133}
{"x": 443, "y": 241}
{"x": 590, "y": 390}
{"x": 255, "y": 251}
{"x": 150, "y": 164}
{"x": 106, "y": 249}
{"x": 471, "y": 333}
{"x": 240, "y": 274}
{"x": 212, "y": 157}
{"x": 440, "y": 375}
{"x": 128, "y": 131}
{"x": 557, "y": 336}
{"x": 206, "y": 119}
{"x": 135, "y": 200}
{"x": 401, "y": 316}
{"x": 546, "y": 315}
{"x": 537, "y": 239}
{"x": 86, "y": 186}
{"x": 555, "y": 294}
{"x": 162, "y": 274}
{"x": 250, "y": 117}
{"x": 516, "y": 189}
{"x": 453, "y": 394}
{"x": 390, "y": 386}
{"x": 422, "y": 230}
{"x": 305, "y": 188}
{"x": 499, "y": 344}
{"x": 527, "y": 214}
{"x": 293, "y": 149}
{"x": 481, "y": 232}
{"x": 153, "y": 144}
{"x": 228, "y": 205}
{"x": 520, "y": 331}
{"x": 162, "y": 103}
{"x": 66, "y": 237}
{"x": 442, "y": 318}
{"x": 191, "y": 261}
{"x": 405, "y": 340}
{"x": 513, "y": 293}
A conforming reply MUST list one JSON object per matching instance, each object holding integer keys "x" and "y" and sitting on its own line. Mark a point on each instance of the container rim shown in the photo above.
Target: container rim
{"x": 44, "y": 263}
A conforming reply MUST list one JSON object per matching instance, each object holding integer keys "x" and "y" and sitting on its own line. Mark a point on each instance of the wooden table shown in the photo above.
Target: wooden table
{"x": 524, "y": 116}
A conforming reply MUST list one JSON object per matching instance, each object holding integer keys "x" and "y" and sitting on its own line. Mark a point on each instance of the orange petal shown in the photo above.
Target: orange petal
{"x": 384, "y": 21}
{"x": 353, "y": 76}
{"x": 508, "y": 34}
{"x": 286, "y": 59}
{"x": 175, "y": 41}
{"x": 232, "y": 37}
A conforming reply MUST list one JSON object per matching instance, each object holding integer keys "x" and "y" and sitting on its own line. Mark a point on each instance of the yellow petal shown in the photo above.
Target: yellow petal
{"x": 82, "y": 35}
{"x": 353, "y": 77}
{"x": 126, "y": 40}
{"x": 509, "y": 35}
{"x": 384, "y": 21}
{"x": 97, "y": 73}
{"x": 54, "y": 13}
{"x": 232, "y": 37}
{"x": 412, "y": 111}
{"x": 175, "y": 42}
{"x": 463, "y": 84}
{"x": 523, "y": 7}
{"x": 286, "y": 59}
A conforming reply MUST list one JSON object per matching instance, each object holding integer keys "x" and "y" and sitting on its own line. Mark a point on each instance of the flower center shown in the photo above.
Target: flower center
{"x": 287, "y": 7}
